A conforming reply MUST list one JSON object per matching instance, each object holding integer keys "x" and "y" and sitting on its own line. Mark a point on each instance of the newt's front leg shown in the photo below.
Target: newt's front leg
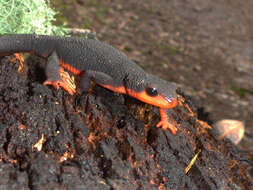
{"x": 56, "y": 75}
{"x": 164, "y": 123}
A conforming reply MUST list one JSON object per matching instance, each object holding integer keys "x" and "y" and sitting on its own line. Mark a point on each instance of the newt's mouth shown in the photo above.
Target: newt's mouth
{"x": 171, "y": 102}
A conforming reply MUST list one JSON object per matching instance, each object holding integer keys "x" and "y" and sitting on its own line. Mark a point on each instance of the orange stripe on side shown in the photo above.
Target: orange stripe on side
{"x": 120, "y": 89}
{"x": 70, "y": 68}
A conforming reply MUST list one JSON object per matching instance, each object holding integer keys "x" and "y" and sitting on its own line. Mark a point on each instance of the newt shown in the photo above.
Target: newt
{"x": 95, "y": 61}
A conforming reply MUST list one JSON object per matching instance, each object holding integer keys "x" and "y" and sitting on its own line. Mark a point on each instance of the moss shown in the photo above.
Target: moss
{"x": 242, "y": 91}
{"x": 86, "y": 23}
{"x": 147, "y": 9}
{"x": 28, "y": 16}
{"x": 100, "y": 10}
{"x": 128, "y": 49}
{"x": 168, "y": 49}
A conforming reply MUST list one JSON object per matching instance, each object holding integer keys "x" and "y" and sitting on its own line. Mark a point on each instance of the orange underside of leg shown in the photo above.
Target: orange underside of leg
{"x": 66, "y": 82}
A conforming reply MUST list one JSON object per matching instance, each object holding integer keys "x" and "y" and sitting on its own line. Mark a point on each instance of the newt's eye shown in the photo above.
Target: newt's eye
{"x": 151, "y": 91}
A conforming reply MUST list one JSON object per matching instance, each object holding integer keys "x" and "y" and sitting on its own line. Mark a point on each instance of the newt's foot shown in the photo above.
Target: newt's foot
{"x": 20, "y": 58}
{"x": 65, "y": 82}
{"x": 164, "y": 124}
{"x": 57, "y": 84}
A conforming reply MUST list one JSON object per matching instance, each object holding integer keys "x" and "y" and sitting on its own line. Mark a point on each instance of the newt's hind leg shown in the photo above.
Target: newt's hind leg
{"x": 57, "y": 77}
{"x": 100, "y": 78}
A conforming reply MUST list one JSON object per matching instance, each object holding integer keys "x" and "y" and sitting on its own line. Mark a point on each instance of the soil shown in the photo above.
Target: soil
{"x": 204, "y": 46}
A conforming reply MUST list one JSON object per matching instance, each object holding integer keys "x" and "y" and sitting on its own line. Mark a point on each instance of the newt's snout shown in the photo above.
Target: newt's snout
{"x": 171, "y": 103}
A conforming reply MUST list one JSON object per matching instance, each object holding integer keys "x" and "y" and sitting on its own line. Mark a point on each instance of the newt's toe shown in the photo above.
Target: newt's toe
{"x": 166, "y": 125}
{"x": 62, "y": 84}
{"x": 64, "y": 81}
{"x": 20, "y": 58}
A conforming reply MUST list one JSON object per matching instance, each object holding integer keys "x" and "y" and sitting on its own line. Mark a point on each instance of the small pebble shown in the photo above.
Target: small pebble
{"x": 231, "y": 129}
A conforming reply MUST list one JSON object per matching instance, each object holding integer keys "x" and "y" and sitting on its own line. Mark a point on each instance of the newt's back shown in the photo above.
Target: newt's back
{"x": 80, "y": 53}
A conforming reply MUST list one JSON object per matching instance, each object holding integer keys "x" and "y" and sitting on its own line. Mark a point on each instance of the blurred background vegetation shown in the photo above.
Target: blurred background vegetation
{"x": 28, "y": 16}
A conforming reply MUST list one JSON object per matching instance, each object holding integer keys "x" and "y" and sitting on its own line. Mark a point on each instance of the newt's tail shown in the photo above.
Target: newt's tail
{"x": 41, "y": 45}
{"x": 15, "y": 43}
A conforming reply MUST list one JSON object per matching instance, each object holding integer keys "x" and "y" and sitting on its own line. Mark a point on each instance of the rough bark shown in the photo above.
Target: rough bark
{"x": 103, "y": 140}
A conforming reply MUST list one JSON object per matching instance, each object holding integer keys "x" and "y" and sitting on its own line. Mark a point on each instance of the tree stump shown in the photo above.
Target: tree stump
{"x": 103, "y": 140}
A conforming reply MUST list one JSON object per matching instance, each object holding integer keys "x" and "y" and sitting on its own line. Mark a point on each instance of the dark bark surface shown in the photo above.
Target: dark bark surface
{"x": 204, "y": 46}
{"x": 103, "y": 140}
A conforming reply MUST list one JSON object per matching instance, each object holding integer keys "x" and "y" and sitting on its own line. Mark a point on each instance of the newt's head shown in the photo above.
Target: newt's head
{"x": 157, "y": 92}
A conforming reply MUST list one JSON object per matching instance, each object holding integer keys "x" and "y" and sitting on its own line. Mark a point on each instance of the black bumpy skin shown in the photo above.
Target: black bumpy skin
{"x": 95, "y": 60}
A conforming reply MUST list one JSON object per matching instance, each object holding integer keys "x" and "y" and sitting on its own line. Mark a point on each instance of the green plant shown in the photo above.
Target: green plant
{"x": 28, "y": 16}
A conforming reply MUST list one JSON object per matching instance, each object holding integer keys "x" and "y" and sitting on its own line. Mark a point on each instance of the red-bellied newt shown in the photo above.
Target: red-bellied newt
{"x": 98, "y": 62}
